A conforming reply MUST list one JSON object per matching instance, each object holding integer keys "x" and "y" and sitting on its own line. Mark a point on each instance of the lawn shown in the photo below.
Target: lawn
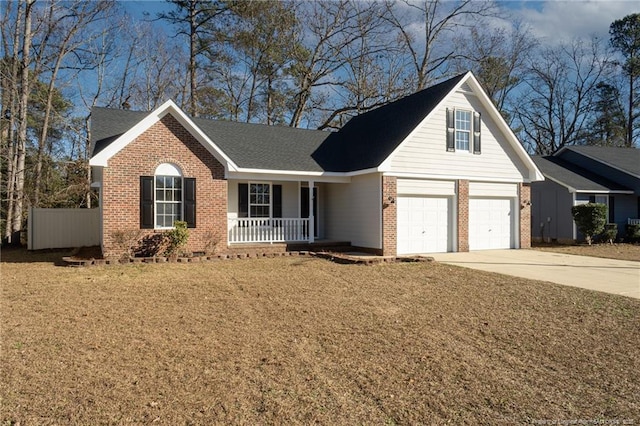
{"x": 610, "y": 251}
{"x": 302, "y": 340}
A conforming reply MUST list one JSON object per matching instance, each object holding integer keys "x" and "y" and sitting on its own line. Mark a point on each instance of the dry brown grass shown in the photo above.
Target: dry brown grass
{"x": 610, "y": 251}
{"x": 301, "y": 340}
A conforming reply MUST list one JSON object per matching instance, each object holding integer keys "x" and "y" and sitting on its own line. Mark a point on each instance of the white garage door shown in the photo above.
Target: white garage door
{"x": 423, "y": 224}
{"x": 490, "y": 223}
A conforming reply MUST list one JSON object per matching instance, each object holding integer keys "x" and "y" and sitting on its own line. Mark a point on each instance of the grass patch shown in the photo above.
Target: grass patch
{"x": 609, "y": 251}
{"x": 301, "y": 340}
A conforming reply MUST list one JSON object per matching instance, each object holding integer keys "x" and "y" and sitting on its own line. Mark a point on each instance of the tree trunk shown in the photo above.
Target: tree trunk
{"x": 16, "y": 225}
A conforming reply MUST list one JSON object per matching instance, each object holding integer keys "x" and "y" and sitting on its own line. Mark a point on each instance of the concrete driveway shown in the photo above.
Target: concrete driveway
{"x": 609, "y": 275}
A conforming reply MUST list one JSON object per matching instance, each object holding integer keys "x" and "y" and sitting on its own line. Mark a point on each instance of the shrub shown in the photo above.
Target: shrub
{"x": 610, "y": 233}
{"x": 176, "y": 238}
{"x": 590, "y": 219}
{"x": 126, "y": 241}
{"x": 632, "y": 233}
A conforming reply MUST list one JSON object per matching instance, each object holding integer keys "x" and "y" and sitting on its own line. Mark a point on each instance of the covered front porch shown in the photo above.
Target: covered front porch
{"x": 270, "y": 211}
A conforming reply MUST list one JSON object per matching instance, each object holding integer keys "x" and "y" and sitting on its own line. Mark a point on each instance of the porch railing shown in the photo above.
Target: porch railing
{"x": 267, "y": 230}
{"x": 633, "y": 221}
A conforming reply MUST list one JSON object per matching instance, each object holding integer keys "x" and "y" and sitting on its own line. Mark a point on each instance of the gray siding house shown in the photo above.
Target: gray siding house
{"x": 581, "y": 174}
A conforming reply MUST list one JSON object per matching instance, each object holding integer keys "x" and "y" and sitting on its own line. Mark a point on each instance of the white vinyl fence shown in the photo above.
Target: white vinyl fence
{"x": 63, "y": 228}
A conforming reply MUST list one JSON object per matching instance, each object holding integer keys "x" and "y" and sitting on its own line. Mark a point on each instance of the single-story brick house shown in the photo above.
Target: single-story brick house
{"x": 585, "y": 174}
{"x": 438, "y": 170}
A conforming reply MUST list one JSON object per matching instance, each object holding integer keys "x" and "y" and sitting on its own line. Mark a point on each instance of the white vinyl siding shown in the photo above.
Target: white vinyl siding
{"x": 353, "y": 211}
{"x": 488, "y": 189}
{"x": 425, "y": 187}
{"x": 425, "y": 151}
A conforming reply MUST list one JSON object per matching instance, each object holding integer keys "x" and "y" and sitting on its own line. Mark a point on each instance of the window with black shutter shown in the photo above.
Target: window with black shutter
{"x": 146, "y": 202}
{"x": 451, "y": 130}
{"x": 190, "y": 202}
{"x": 167, "y": 197}
{"x": 476, "y": 132}
{"x": 277, "y": 200}
{"x": 243, "y": 200}
{"x": 259, "y": 200}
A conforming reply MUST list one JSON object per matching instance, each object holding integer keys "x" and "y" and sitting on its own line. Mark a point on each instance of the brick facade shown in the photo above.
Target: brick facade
{"x": 167, "y": 141}
{"x": 462, "y": 217}
{"x": 389, "y": 216}
{"x": 524, "y": 191}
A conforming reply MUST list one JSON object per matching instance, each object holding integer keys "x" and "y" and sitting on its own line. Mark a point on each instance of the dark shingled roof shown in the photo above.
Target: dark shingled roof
{"x": 364, "y": 142}
{"x": 626, "y": 159}
{"x": 258, "y": 146}
{"x": 368, "y": 139}
{"x": 576, "y": 177}
{"x": 108, "y": 124}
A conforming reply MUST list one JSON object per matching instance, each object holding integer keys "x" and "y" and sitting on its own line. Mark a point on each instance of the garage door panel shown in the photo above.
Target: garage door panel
{"x": 423, "y": 224}
{"x": 490, "y": 223}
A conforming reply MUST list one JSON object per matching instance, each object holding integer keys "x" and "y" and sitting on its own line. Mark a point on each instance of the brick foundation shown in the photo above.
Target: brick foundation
{"x": 164, "y": 142}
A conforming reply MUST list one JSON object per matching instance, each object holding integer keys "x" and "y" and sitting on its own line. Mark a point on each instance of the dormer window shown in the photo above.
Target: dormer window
{"x": 463, "y": 130}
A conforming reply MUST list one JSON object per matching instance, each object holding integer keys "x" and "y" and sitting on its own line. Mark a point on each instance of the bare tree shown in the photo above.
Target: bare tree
{"x": 559, "y": 97}
{"x": 65, "y": 25}
{"x": 499, "y": 58}
{"x": 16, "y": 212}
{"x": 10, "y": 95}
{"x": 429, "y": 49}
{"x": 372, "y": 72}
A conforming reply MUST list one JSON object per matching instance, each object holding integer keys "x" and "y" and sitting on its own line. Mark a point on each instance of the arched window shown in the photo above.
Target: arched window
{"x": 168, "y": 191}
{"x": 167, "y": 197}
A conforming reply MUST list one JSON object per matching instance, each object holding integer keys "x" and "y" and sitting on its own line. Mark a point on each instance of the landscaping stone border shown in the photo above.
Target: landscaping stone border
{"x": 337, "y": 257}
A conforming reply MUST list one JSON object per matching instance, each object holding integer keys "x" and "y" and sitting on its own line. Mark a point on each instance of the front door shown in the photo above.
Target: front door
{"x": 304, "y": 206}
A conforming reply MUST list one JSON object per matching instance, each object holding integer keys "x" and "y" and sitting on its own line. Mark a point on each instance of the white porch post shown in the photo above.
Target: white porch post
{"x": 312, "y": 231}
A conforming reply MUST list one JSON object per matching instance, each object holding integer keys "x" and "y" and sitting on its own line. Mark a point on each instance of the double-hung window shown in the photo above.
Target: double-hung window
{"x": 463, "y": 130}
{"x": 167, "y": 197}
{"x": 259, "y": 199}
{"x": 168, "y": 200}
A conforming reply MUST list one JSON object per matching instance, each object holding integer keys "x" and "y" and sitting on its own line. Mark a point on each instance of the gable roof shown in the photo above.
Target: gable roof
{"x": 623, "y": 159}
{"x": 368, "y": 139}
{"x": 109, "y": 139}
{"x": 364, "y": 143}
{"x": 575, "y": 178}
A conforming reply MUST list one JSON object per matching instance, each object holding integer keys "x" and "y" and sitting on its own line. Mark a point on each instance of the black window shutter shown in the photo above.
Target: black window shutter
{"x": 243, "y": 200}
{"x": 190, "y": 202}
{"x": 146, "y": 202}
{"x": 277, "y": 200}
{"x": 476, "y": 132}
{"x": 451, "y": 130}
{"x": 592, "y": 198}
{"x": 612, "y": 211}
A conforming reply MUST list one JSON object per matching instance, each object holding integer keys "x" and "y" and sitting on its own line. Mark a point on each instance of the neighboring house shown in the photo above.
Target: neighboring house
{"x": 582, "y": 174}
{"x": 438, "y": 170}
